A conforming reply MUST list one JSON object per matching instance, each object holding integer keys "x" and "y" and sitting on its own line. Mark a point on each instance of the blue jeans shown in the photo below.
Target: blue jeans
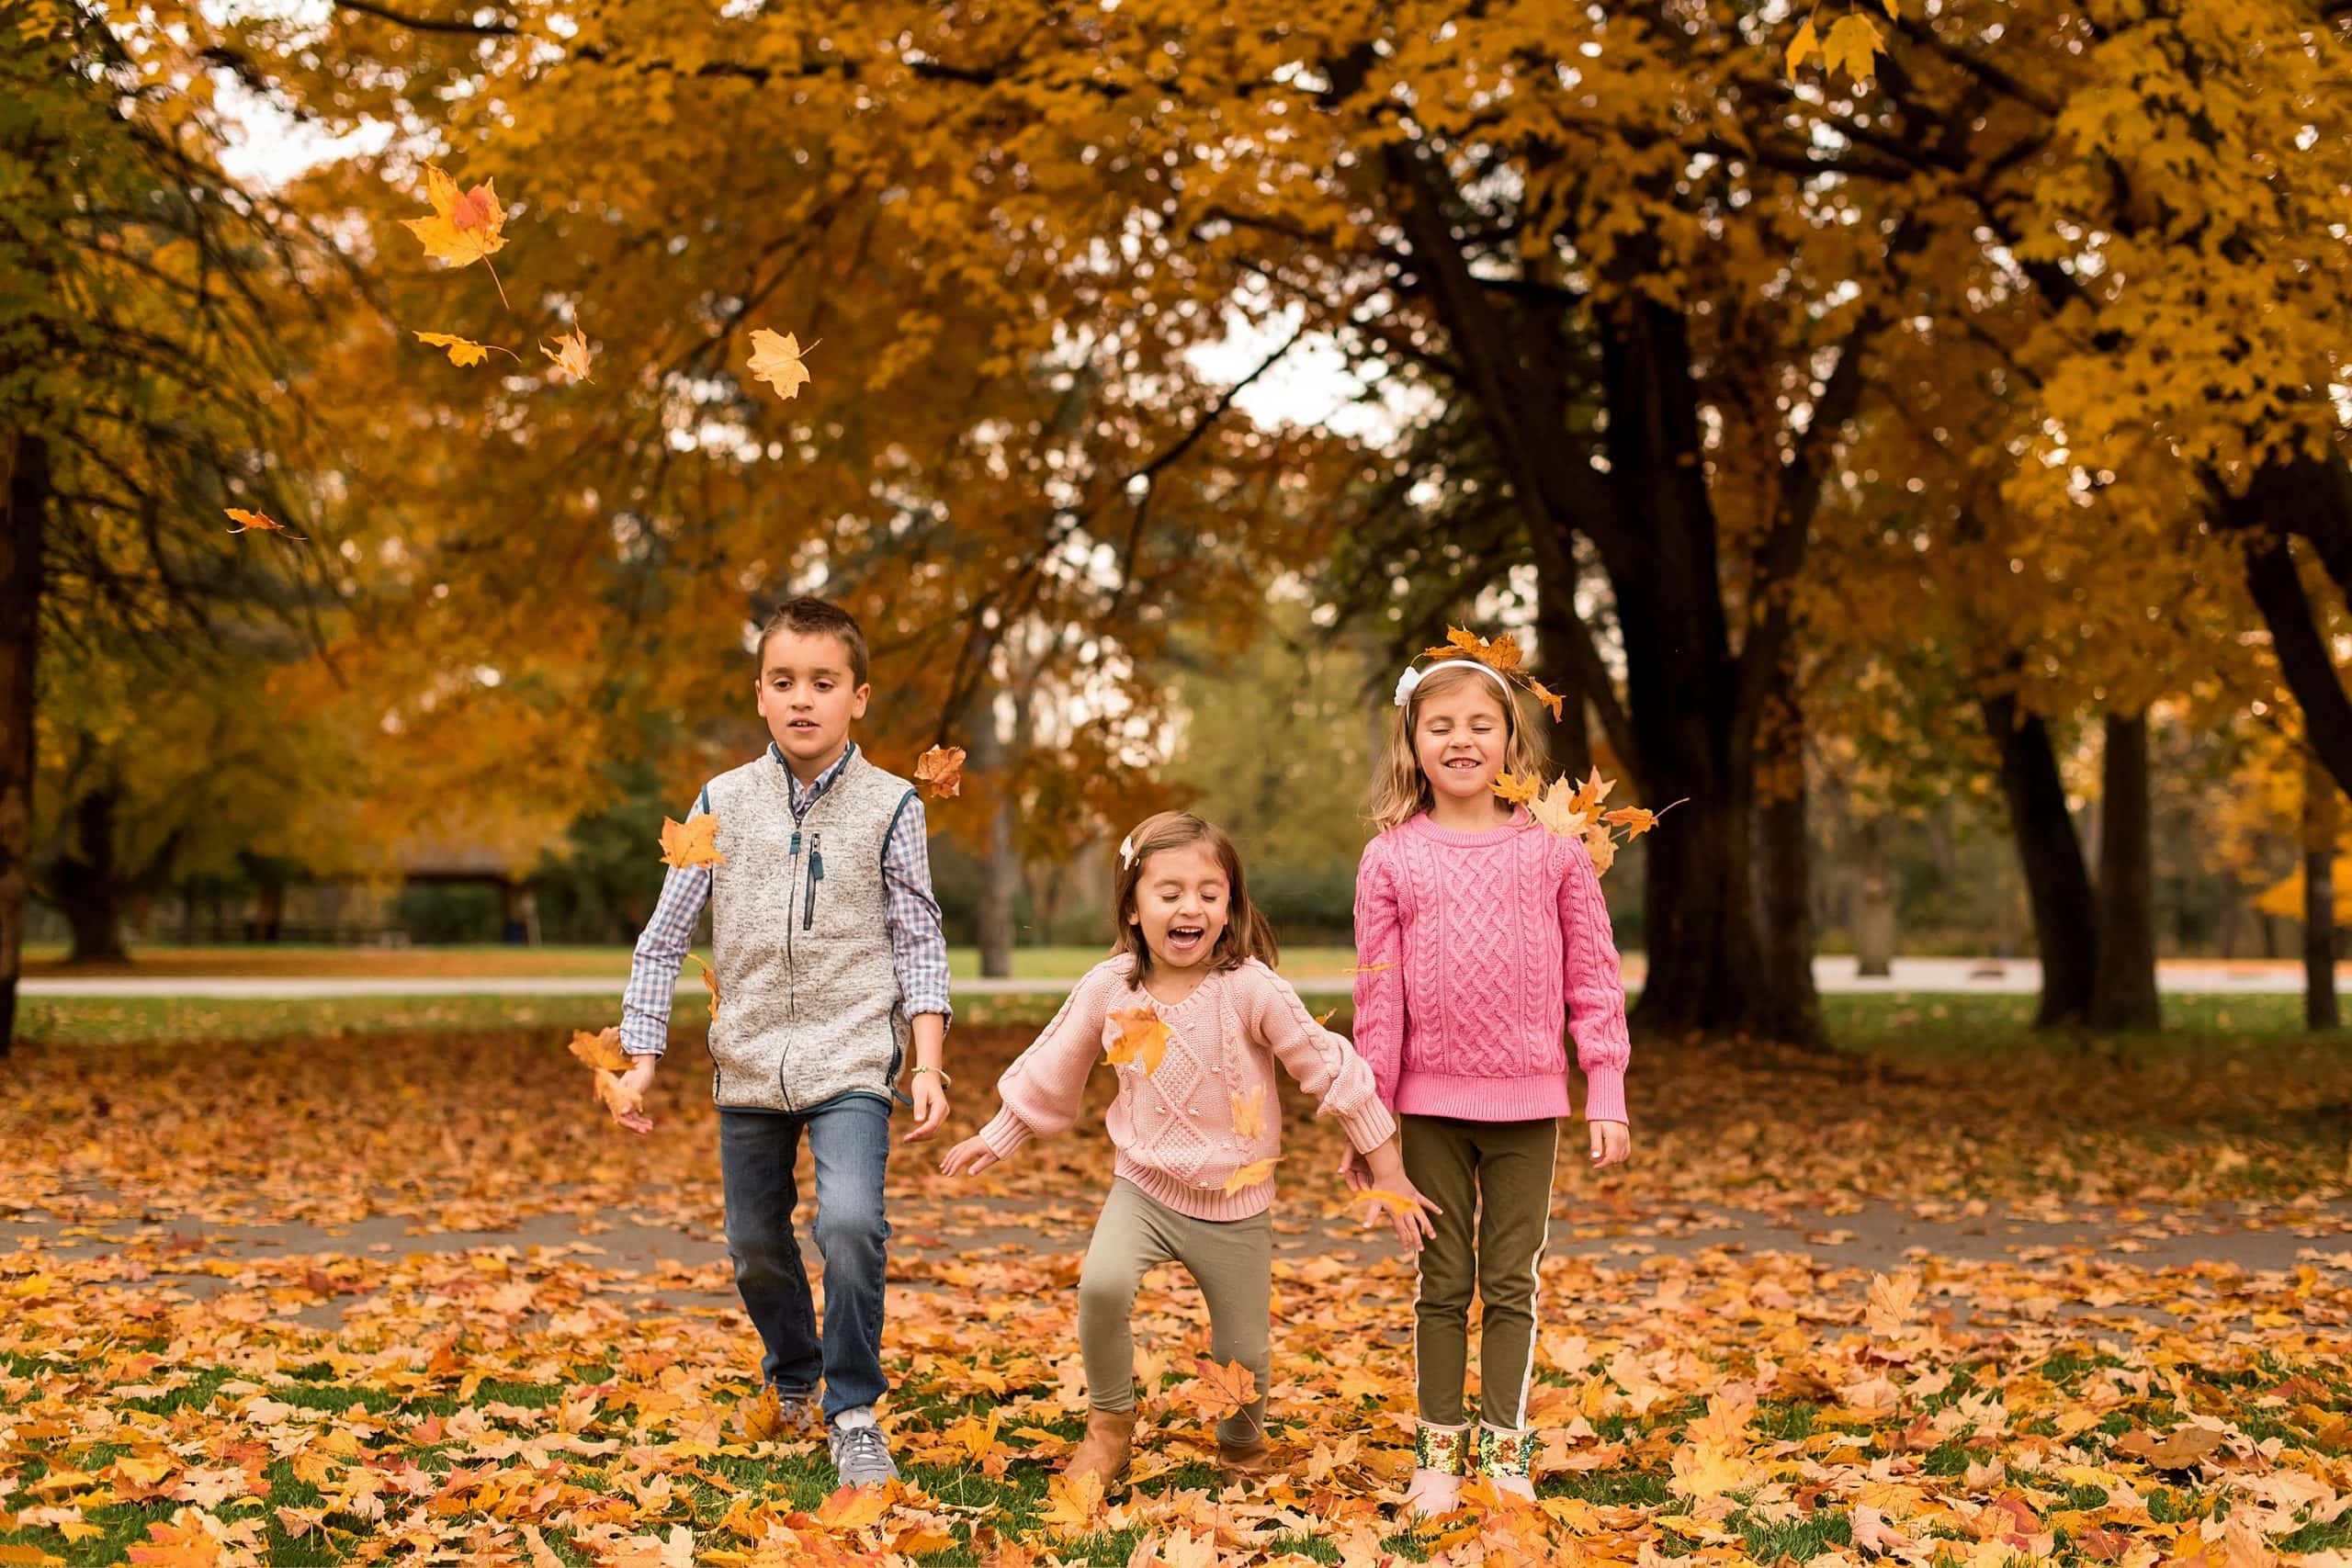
{"x": 850, "y": 1139}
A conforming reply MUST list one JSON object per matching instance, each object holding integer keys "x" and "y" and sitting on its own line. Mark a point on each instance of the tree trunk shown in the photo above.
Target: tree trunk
{"x": 86, "y": 888}
{"x": 2057, "y": 882}
{"x": 1569, "y": 742}
{"x": 1000, "y": 865}
{"x": 2124, "y": 994}
{"x": 1784, "y": 865}
{"x": 1873, "y": 902}
{"x": 21, "y": 571}
{"x": 2320, "y": 820}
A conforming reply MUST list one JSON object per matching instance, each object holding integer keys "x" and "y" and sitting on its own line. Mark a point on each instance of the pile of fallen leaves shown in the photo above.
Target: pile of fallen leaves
{"x": 167, "y": 1397}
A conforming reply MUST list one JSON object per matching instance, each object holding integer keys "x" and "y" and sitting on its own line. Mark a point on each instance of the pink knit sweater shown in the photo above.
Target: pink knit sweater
{"x": 1175, "y": 1127}
{"x": 1488, "y": 939}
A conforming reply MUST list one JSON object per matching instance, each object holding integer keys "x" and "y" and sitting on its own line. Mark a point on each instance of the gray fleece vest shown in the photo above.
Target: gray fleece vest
{"x": 809, "y": 1009}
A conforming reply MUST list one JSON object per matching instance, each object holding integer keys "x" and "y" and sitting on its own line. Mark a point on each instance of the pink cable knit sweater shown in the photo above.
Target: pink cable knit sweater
{"x": 1175, "y": 1127}
{"x": 1490, "y": 937}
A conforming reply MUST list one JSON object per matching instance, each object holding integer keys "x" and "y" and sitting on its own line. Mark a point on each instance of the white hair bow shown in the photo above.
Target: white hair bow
{"x": 1126, "y": 852}
{"x": 1405, "y": 684}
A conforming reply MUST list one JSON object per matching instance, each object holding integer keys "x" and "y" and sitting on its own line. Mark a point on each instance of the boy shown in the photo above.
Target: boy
{"x": 831, "y": 964}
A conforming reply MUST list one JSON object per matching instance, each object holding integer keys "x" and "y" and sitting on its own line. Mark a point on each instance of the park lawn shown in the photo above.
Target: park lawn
{"x": 199, "y": 1405}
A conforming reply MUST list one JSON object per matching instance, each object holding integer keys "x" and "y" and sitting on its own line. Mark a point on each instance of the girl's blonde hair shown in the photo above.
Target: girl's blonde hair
{"x": 1399, "y": 789}
{"x": 1246, "y": 935}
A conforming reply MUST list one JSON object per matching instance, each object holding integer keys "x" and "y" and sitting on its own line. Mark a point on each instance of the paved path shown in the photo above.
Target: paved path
{"x": 1990, "y": 977}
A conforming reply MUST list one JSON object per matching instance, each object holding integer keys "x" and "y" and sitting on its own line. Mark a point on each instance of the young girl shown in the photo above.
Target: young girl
{"x": 1476, "y": 931}
{"x": 1196, "y": 1127}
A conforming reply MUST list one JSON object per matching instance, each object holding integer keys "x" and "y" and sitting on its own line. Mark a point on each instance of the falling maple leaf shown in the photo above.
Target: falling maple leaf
{"x": 709, "y": 980}
{"x": 1601, "y": 848}
{"x": 1802, "y": 47}
{"x": 775, "y": 360}
{"x": 1373, "y": 968}
{"x": 1396, "y": 1201}
{"x": 1549, "y": 698}
{"x": 1142, "y": 1039}
{"x": 1556, "y": 810}
{"x": 601, "y": 1049}
{"x": 247, "y": 521}
{"x": 1633, "y": 820}
{"x": 619, "y": 1098}
{"x": 1251, "y": 1174}
{"x": 1591, "y": 793}
{"x": 1249, "y": 1112}
{"x": 569, "y": 353}
{"x": 1224, "y": 1389}
{"x": 942, "y": 768}
{"x": 463, "y": 351}
{"x": 694, "y": 841}
{"x": 1853, "y": 45}
{"x": 465, "y": 226}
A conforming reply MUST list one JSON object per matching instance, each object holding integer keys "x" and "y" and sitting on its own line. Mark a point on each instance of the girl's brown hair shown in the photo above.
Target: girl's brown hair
{"x": 1246, "y": 935}
{"x": 1399, "y": 789}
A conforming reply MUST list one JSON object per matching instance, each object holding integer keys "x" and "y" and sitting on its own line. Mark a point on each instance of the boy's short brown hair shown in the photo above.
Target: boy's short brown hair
{"x": 808, "y": 615}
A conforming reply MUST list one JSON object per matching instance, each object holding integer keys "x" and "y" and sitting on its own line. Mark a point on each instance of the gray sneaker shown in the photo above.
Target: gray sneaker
{"x": 862, "y": 1457}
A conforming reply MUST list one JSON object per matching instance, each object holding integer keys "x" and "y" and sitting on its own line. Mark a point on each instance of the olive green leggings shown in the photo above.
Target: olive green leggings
{"x": 1494, "y": 1181}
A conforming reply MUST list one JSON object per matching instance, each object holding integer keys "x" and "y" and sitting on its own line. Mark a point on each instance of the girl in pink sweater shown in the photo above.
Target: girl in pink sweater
{"x": 1478, "y": 934}
{"x": 1194, "y": 1021}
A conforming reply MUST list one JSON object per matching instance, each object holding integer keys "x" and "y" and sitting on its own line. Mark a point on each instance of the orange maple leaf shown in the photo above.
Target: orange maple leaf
{"x": 1517, "y": 789}
{"x": 1371, "y": 969}
{"x": 1602, "y": 848}
{"x": 853, "y": 1507}
{"x": 601, "y": 1049}
{"x": 1251, "y": 1174}
{"x": 1591, "y": 793}
{"x": 709, "y": 980}
{"x": 1224, "y": 1389}
{"x": 1396, "y": 1201}
{"x": 1249, "y": 1112}
{"x": 1143, "y": 1039}
{"x": 464, "y": 351}
{"x": 465, "y": 227}
{"x": 247, "y": 521}
{"x": 761, "y": 1419}
{"x": 775, "y": 360}
{"x": 1548, "y": 697}
{"x": 694, "y": 841}
{"x": 942, "y": 768}
{"x": 1501, "y": 656}
{"x": 569, "y": 353}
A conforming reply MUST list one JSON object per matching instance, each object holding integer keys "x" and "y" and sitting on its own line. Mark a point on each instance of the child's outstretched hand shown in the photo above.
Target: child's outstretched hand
{"x": 1385, "y": 1168}
{"x": 1612, "y": 1143}
{"x": 967, "y": 1159}
{"x": 1357, "y": 1172}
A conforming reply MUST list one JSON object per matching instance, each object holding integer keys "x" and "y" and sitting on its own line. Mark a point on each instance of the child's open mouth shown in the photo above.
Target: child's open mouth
{"x": 1185, "y": 940}
{"x": 1461, "y": 764}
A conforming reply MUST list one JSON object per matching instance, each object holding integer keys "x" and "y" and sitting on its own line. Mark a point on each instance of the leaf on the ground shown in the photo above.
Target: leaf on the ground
{"x": 2178, "y": 1450}
{"x": 252, "y": 522}
{"x": 619, "y": 1098}
{"x": 542, "y": 1554}
{"x": 692, "y": 843}
{"x": 1250, "y": 1175}
{"x": 853, "y": 1507}
{"x": 569, "y": 353}
{"x": 941, "y": 768}
{"x": 1891, "y": 1300}
{"x": 1222, "y": 1389}
{"x": 1142, "y": 1039}
{"x": 1249, "y": 1112}
{"x": 1072, "y": 1509}
{"x": 601, "y": 1049}
{"x": 776, "y": 359}
{"x": 760, "y": 1418}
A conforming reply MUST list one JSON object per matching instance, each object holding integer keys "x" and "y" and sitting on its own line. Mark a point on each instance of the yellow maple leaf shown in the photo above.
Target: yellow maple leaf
{"x": 1396, "y": 1201}
{"x": 601, "y": 1049}
{"x": 853, "y": 1507}
{"x": 1142, "y": 1039}
{"x": 709, "y": 980}
{"x": 1225, "y": 1388}
{"x": 694, "y": 841}
{"x": 1632, "y": 819}
{"x": 465, "y": 226}
{"x": 1517, "y": 789}
{"x": 761, "y": 1419}
{"x": 1853, "y": 43}
{"x": 1072, "y": 1509}
{"x": 1251, "y": 1174}
{"x": 1591, "y": 793}
{"x": 1556, "y": 811}
{"x": 1249, "y": 1112}
{"x": 1802, "y": 47}
{"x": 942, "y": 768}
{"x": 1710, "y": 1470}
{"x": 1548, "y": 697}
{"x": 1602, "y": 848}
{"x": 1183, "y": 1549}
{"x": 462, "y": 350}
{"x": 248, "y": 522}
{"x": 1891, "y": 1300}
{"x": 569, "y": 353}
{"x": 775, "y": 360}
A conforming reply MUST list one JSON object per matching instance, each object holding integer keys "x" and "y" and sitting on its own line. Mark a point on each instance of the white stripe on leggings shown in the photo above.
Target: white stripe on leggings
{"x": 1534, "y": 1323}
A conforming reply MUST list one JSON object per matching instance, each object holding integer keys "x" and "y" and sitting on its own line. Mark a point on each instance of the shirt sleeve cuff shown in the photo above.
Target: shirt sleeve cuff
{"x": 1369, "y": 1126}
{"x": 1604, "y": 1094}
{"x": 643, "y": 1038}
{"x": 1005, "y": 1134}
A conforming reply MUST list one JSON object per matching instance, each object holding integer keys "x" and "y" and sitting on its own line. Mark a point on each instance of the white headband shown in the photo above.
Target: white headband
{"x": 1126, "y": 852}
{"x": 1412, "y": 677}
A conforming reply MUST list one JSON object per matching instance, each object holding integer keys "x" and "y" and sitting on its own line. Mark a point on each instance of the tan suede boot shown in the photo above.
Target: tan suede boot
{"x": 1252, "y": 1461}
{"x": 1103, "y": 1452}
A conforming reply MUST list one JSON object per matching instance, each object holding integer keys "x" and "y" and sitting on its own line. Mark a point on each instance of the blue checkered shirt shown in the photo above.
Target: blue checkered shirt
{"x": 910, "y": 912}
